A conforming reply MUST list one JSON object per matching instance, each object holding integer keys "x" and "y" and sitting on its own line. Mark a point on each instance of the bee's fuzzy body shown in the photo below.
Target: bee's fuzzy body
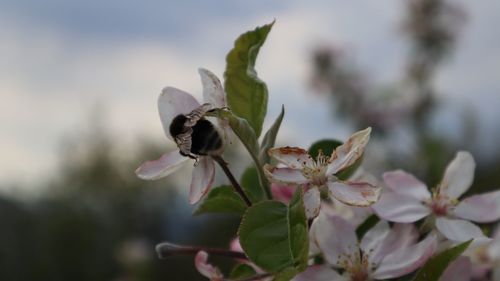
{"x": 195, "y": 135}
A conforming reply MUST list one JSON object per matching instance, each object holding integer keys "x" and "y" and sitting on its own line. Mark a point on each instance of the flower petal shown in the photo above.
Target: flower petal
{"x": 213, "y": 92}
{"x": 404, "y": 183}
{"x": 319, "y": 273}
{"x": 458, "y": 270}
{"x": 355, "y": 215}
{"x": 292, "y": 157}
{"x": 281, "y": 192}
{"x": 203, "y": 177}
{"x": 162, "y": 167}
{"x": 173, "y": 102}
{"x": 206, "y": 269}
{"x": 458, "y": 230}
{"x": 335, "y": 237}
{"x": 374, "y": 238}
{"x": 495, "y": 275}
{"x": 399, "y": 208}
{"x": 493, "y": 249}
{"x": 284, "y": 175}
{"x": 401, "y": 235}
{"x": 459, "y": 175}
{"x": 405, "y": 260}
{"x": 480, "y": 208}
{"x": 312, "y": 202}
{"x": 346, "y": 154}
{"x": 360, "y": 194}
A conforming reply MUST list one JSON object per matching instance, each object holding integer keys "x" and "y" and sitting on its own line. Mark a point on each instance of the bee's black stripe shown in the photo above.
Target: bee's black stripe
{"x": 205, "y": 138}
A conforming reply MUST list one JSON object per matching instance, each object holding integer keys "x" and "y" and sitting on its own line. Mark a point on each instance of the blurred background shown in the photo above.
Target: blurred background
{"x": 79, "y": 83}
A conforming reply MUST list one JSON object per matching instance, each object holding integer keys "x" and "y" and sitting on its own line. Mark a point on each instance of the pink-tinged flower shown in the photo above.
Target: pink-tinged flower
{"x": 485, "y": 257}
{"x": 206, "y": 269}
{"x": 235, "y": 245}
{"x": 301, "y": 169}
{"x": 171, "y": 104}
{"x": 458, "y": 270}
{"x": 382, "y": 253}
{"x": 407, "y": 200}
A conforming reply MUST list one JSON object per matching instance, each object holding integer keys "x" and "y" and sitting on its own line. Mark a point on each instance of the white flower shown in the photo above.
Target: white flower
{"x": 407, "y": 200}
{"x": 301, "y": 169}
{"x": 171, "y": 103}
{"x": 382, "y": 253}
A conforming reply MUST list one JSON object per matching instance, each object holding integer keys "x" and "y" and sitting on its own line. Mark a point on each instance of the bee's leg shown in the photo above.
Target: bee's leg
{"x": 190, "y": 155}
{"x": 219, "y": 108}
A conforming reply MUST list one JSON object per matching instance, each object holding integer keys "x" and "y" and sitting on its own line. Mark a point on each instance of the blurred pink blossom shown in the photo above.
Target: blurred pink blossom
{"x": 407, "y": 200}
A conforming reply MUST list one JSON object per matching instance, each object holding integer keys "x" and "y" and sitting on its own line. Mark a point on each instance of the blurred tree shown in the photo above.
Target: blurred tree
{"x": 410, "y": 103}
{"x": 431, "y": 26}
{"x": 97, "y": 221}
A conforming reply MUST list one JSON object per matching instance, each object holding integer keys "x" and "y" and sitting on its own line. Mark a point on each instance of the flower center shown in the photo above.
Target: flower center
{"x": 357, "y": 266}
{"x": 441, "y": 204}
{"x": 315, "y": 171}
{"x": 481, "y": 255}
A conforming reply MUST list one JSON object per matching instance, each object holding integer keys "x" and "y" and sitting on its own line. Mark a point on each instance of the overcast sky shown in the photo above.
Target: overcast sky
{"x": 60, "y": 59}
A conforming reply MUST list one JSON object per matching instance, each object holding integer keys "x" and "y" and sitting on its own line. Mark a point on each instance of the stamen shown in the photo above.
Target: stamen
{"x": 440, "y": 204}
{"x": 315, "y": 171}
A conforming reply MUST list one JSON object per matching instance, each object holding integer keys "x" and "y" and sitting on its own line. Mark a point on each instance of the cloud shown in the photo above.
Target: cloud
{"x": 61, "y": 59}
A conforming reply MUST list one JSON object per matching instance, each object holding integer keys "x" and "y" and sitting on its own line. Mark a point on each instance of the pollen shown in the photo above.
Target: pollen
{"x": 316, "y": 170}
{"x": 357, "y": 266}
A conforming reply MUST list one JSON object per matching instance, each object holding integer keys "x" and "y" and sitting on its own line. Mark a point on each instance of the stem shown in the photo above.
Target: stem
{"x": 167, "y": 249}
{"x": 234, "y": 182}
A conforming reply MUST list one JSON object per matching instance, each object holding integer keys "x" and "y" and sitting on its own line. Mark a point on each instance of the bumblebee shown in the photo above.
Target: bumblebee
{"x": 195, "y": 135}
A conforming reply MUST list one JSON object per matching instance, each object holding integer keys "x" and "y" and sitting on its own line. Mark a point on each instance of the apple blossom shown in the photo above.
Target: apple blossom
{"x": 382, "y": 253}
{"x": 171, "y": 103}
{"x": 407, "y": 200}
{"x": 299, "y": 168}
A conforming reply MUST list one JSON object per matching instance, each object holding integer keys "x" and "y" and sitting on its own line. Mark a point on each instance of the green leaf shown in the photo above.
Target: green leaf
{"x": 251, "y": 185}
{"x": 270, "y": 137}
{"x": 246, "y": 134}
{"x": 246, "y": 93}
{"x": 435, "y": 266}
{"x": 222, "y": 199}
{"x": 264, "y": 235}
{"x": 369, "y": 222}
{"x": 286, "y": 274}
{"x": 241, "y": 271}
{"x": 274, "y": 236}
{"x": 327, "y": 147}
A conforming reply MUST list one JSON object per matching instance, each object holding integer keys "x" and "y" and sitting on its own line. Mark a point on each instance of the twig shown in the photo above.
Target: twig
{"x": 168, "y": 249}
{"x": 234, "y": 182}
